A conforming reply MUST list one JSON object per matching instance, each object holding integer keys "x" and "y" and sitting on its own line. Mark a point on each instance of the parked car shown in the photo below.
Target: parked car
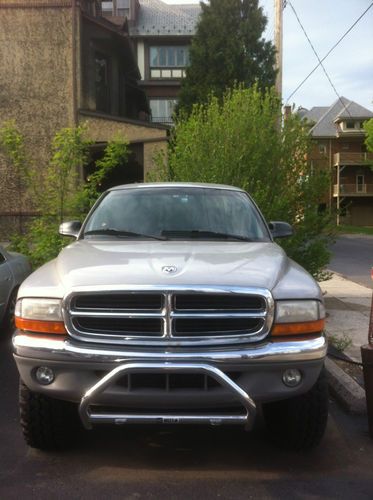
{"x": 14, "y": 268}
{"x": 174, "y": 305}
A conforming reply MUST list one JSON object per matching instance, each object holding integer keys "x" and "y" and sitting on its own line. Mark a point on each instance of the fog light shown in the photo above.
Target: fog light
{"x": 44, "y": 375}
{"x": 292, "y": 377}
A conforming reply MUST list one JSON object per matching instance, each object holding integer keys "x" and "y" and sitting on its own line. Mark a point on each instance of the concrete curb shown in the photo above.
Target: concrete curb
{"x": 345, "y": 389}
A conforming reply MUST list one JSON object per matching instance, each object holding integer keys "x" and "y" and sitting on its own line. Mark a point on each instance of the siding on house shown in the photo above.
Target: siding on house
{"x": 47, "y": 82}
{"x": 339, "y": 145}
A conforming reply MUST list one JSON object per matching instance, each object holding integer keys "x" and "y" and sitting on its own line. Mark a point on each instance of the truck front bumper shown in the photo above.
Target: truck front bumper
{"x": 161, "y": 385}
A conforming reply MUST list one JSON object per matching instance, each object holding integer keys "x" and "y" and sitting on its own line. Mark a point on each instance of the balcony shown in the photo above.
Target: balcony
{"x": 165, "y": 120}
{"x": 353, "y": 190}
{"x": 167, "y": 73}
{"x": 352, "y": 159}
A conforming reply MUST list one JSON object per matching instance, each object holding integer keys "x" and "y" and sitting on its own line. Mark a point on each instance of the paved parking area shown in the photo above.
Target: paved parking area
{"x": 181, "y": 463}
{"x": 352, "y": 257}
{"x": 348, "y": 306}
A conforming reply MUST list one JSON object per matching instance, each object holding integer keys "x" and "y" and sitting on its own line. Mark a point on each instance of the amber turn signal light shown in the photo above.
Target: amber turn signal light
{"x": 298, "y": 328}
{"x": 38, "y": 326}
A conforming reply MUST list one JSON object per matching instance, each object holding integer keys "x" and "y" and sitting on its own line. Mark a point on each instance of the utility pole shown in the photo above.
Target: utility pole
{"x": 279, "y": 7}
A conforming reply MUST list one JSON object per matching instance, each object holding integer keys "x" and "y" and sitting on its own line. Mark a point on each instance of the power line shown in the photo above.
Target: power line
{"x": 326, "y": 55}
{"x": 318, "y": 58}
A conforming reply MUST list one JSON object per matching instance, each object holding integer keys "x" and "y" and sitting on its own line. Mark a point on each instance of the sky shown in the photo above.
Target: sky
{"x": 350, "y": 65}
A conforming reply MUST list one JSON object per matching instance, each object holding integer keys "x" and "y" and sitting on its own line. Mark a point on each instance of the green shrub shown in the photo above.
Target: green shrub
{"x": 59, "y": 193}
{"x": 242, "y": 141}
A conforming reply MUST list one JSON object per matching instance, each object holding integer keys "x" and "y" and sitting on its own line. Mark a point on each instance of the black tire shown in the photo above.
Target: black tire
{"x": 47, "y": 424}
{"x": 299, "y": 423}
{"x": 8, "y": 320}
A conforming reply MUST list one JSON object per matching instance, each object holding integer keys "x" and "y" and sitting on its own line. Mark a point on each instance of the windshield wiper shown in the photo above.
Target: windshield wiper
{"x": 200, "y": 234}
{"x": 123, "y": 234}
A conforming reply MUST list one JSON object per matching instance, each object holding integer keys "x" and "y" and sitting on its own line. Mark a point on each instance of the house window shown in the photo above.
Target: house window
{"x": 162, "y": 110}
{"x": 107, "y": 8}
{"x": 169, "y": 57}
{"x": 350, "y": 124}
{"x": 116, "y": 8}
{"x": 322, "y": 149}
{"x": 360, "y": 187}
{"x": 102, "y": 83}
{"x": 123, "y": 8}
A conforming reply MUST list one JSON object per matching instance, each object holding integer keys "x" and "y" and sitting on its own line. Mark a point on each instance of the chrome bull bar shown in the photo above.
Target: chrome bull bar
{"x": 89, "y": 418}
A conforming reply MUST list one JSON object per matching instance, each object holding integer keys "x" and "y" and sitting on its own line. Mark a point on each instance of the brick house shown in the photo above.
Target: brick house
{"x": 338, "y": 136}
{"x": 64, "y": 64}
{"x": 161, "y": 34}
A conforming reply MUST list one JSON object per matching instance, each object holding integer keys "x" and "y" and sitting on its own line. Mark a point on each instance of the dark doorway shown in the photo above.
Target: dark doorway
{"x": 128, "y": 173}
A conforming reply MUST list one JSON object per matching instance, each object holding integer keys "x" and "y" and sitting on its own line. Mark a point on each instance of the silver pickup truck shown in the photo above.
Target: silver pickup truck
{"x": 173, "y": 306}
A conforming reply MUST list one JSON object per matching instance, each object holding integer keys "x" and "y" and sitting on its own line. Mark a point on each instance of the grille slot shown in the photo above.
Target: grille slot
{"x": 122, "y": 326}
{"x": 222, "y": 302}
{"x": 131, "y": 301}
{"x": 171, "y": 382}
{"x": 215, "y": 326}
{"x": 170, "y": 317}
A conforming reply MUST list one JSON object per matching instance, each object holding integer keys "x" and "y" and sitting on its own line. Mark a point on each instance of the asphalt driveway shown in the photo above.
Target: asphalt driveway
{"x": 352, "y": 257}
{"x": 183, "y": 462}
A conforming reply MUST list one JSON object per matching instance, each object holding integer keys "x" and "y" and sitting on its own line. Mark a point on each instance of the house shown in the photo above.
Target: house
{"x": 64, "y": 64}
{"x": 161, "y": 35}
{"x": 338, "y": 137}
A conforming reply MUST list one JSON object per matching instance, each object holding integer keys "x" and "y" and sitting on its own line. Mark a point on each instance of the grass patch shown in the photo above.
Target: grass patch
{"x": 344, "y": 229}
{"x": 340, "y": 342}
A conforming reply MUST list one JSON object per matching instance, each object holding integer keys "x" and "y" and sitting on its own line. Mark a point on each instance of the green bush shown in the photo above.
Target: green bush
{"x": 242, "y": 141}
{"x": 59, "y": 193}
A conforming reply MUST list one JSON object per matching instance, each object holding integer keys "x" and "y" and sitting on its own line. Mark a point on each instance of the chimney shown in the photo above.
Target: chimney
{"x": 287, "y": 111}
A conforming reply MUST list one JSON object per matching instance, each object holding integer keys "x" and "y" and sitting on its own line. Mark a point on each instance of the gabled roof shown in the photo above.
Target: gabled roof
{"x": 160, "y": 19}
{"x": 326, "y": 118}
{"x": 354, "y": 110}
{"x": 314, "y": 114}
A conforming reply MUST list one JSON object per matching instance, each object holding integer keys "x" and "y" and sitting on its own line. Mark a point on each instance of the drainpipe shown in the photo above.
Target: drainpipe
{"x": 74, "y": 45}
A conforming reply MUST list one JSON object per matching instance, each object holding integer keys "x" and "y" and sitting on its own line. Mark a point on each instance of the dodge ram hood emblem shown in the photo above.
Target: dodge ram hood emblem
{"x": 169, "y": 269}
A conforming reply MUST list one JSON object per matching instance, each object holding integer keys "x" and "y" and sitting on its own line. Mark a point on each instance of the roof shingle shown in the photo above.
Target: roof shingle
{"x": 157, "y": 18}
{"x": 326, "y": 117}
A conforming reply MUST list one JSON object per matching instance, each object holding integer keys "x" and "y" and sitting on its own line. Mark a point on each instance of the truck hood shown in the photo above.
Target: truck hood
{"x": 111, "y": 264}
{"x": 142, "y": 263}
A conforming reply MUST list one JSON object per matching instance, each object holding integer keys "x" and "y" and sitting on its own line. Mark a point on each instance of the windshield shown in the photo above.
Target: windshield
{"x": 176, "y": 213}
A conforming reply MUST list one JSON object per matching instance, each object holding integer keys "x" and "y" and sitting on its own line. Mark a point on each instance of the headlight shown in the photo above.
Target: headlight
{"x": 40, "y": 315}
{"x": 43, "y": 309}
{"x": 294, "y": 317}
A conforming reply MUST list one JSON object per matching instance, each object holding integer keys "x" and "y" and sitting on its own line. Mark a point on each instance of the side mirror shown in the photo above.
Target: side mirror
{"x": 70, "y": 228}
{"x": 280, "y": 229}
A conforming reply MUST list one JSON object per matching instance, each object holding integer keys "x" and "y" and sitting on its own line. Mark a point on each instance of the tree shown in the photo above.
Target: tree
{"x": 368, "y": 127}
{"x": 238, "y": 141}
{"x": 59, "y": 192}
{"x": 228, "y": 48}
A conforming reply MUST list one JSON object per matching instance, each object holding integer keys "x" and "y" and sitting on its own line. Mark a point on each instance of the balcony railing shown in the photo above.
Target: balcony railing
{"x": 168, "y": 73}
{"x": 165, "y": 120}
{"x": 353, "y": 190}
{"x": 352, "y": 158}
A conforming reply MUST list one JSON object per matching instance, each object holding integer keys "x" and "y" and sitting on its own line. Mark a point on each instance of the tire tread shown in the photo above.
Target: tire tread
{"x": 299, "y": 423}
{"x": 46, "y": 423}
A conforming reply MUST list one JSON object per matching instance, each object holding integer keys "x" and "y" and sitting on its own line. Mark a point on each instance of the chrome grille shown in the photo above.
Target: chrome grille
{"x": 119, "y": 326}
{"x": 118, "y": 301}
{"x": 178, "y": 316}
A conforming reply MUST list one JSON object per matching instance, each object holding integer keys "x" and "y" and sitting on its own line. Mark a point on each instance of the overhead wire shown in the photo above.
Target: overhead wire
{"x": 317, "y": 56}
{"x": 331, "y": 50}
